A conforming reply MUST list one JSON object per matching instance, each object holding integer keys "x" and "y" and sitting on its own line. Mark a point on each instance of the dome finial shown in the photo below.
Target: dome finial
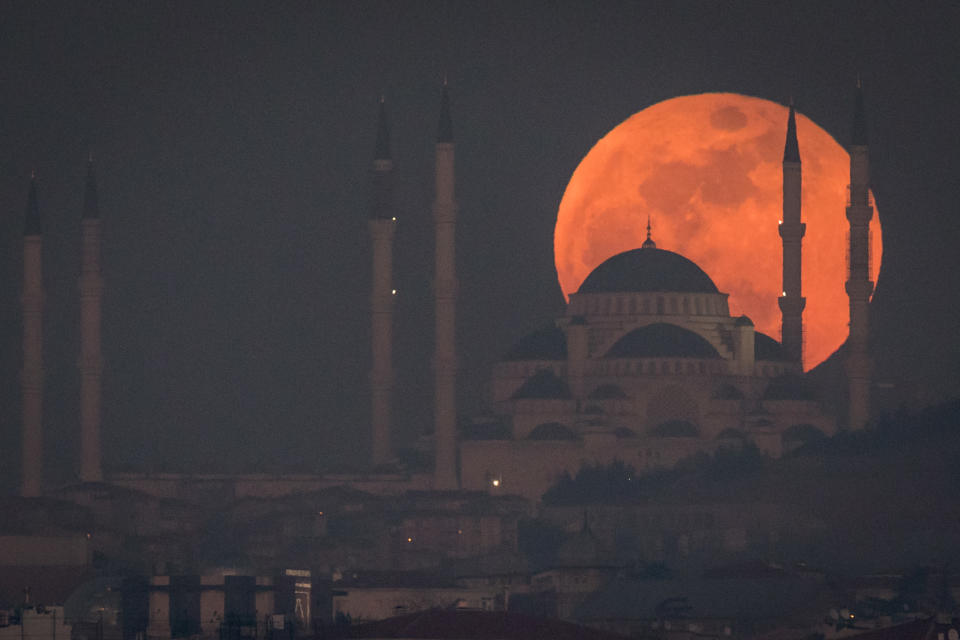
{"x": 648, "y": 243}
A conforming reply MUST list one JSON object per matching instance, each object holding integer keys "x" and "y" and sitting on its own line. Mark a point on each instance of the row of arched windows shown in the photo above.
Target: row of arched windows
{"x": 626, "y": 367}
{"x": 649, "y": 304}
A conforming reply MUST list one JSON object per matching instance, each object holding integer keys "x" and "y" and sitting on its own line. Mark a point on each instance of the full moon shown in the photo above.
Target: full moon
{"x": 707, "y": 170}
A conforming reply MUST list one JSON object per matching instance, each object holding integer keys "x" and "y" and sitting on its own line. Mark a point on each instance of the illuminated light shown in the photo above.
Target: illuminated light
{"x": 321, "y": 513}
{"x": 459, "y": 532}
{"x": 708, "y": 169}
{"x": 393, "y": 292}
{"x": 779, "y": 221}
{"x": 409, "y": 539}
{"x": 783, "y": 294}
{"x": 394, "y": 218}
{"x": 496, "y": 482}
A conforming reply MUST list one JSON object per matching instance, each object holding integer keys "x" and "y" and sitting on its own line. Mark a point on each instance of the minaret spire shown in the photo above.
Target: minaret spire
{"x": 383, "y": 133}
{"x": 31, "y": 376}
{"x": 445, "y": 300}
{"x": 446, "y": 122}
{"x": 859, "y": 287}
{"x": 791, "y": 149}
{"x": 791, "y": 231}
{"x": 381, "y": 225}
{"x": 91, "y": 360}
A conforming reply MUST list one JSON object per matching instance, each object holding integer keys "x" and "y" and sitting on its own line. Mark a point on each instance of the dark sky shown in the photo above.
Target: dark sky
{"x": 233, "y": 143}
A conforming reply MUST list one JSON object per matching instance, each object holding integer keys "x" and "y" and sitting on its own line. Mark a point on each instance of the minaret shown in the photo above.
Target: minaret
{"x": 382, "y": 224}
{"x": 859, "y": 286}
{"x": 32, "y": 374}
{"x": 91, "y": 362}
{"x": 792, "y": 231}
{"x": 445, "y": 292}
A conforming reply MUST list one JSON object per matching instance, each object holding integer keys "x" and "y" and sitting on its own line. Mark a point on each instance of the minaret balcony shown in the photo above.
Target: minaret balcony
{"x": 792, "y": 229}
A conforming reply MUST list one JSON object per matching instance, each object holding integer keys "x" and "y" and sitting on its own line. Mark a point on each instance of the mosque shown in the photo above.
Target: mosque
{"x": 646, "y": 365}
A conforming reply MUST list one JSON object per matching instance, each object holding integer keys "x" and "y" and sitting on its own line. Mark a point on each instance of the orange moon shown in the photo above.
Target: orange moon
{"x": 707, "y": 169}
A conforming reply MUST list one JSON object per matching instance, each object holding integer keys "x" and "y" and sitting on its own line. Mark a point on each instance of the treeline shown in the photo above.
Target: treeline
{"x": 618, "y": 482}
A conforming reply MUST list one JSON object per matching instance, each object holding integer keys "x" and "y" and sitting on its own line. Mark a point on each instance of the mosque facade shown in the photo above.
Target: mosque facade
{"x": 645, "y": 366}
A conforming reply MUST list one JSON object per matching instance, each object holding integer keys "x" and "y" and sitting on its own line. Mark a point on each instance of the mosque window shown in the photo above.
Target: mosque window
{"x": 686, "y": 305}
{"x": 633, "y": 305}
{"x": 699, "y": 306}
{"x": 700, "y": 367}
{"x": 673, "y": 305}
{"x": 619, "y": 305}
{"x": 660, "y": 306}
{"x": 646, "y": 305}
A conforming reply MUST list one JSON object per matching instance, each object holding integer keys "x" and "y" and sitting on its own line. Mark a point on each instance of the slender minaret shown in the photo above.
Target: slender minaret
{"x": 382, "y": 223}
{"x": 445, "y": 292}
{"x": 792, "y": 231}
{"x": 859, "y": 286}
{"x": 32, "y": 374}
{"x": 91, "y": 362}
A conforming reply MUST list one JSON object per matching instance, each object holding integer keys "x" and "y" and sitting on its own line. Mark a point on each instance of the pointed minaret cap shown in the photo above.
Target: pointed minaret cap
{"x": 859, "y": 137}
{"x": 91, "y": 203}
{"x": 33, "y": 224}
{"x": 383, "y": 133}
{"x": 446, "y": 122}
{"x": 648, "y": 243}
{"x": 791, "y": 150}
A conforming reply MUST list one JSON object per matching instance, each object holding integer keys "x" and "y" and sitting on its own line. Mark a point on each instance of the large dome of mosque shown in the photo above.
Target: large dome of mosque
{"x": 648, "y": 269}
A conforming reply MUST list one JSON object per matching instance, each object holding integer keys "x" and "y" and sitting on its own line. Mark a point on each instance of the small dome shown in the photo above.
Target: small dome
{"x": 661, "y": 340}
{"x": 546, "y": 343}
{"x": 675, "y": 429}
{"x": 648, "y": 269}
{"x": 544, "y": 384}
{"x": 766, "y": 348}
{"x": 743, "y": 321}
{"x": 552, "y": 431}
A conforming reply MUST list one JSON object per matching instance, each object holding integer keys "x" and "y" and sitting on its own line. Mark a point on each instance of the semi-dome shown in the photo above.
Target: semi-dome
{"x": 766, "y": 348}
{"x": 543, "y": 385}
{"x": 648, "y": 269}
{"x": 661, "y": 340}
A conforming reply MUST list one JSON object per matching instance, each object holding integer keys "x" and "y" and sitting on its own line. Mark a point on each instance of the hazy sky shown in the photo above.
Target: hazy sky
{"x": 233, "y": 143}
